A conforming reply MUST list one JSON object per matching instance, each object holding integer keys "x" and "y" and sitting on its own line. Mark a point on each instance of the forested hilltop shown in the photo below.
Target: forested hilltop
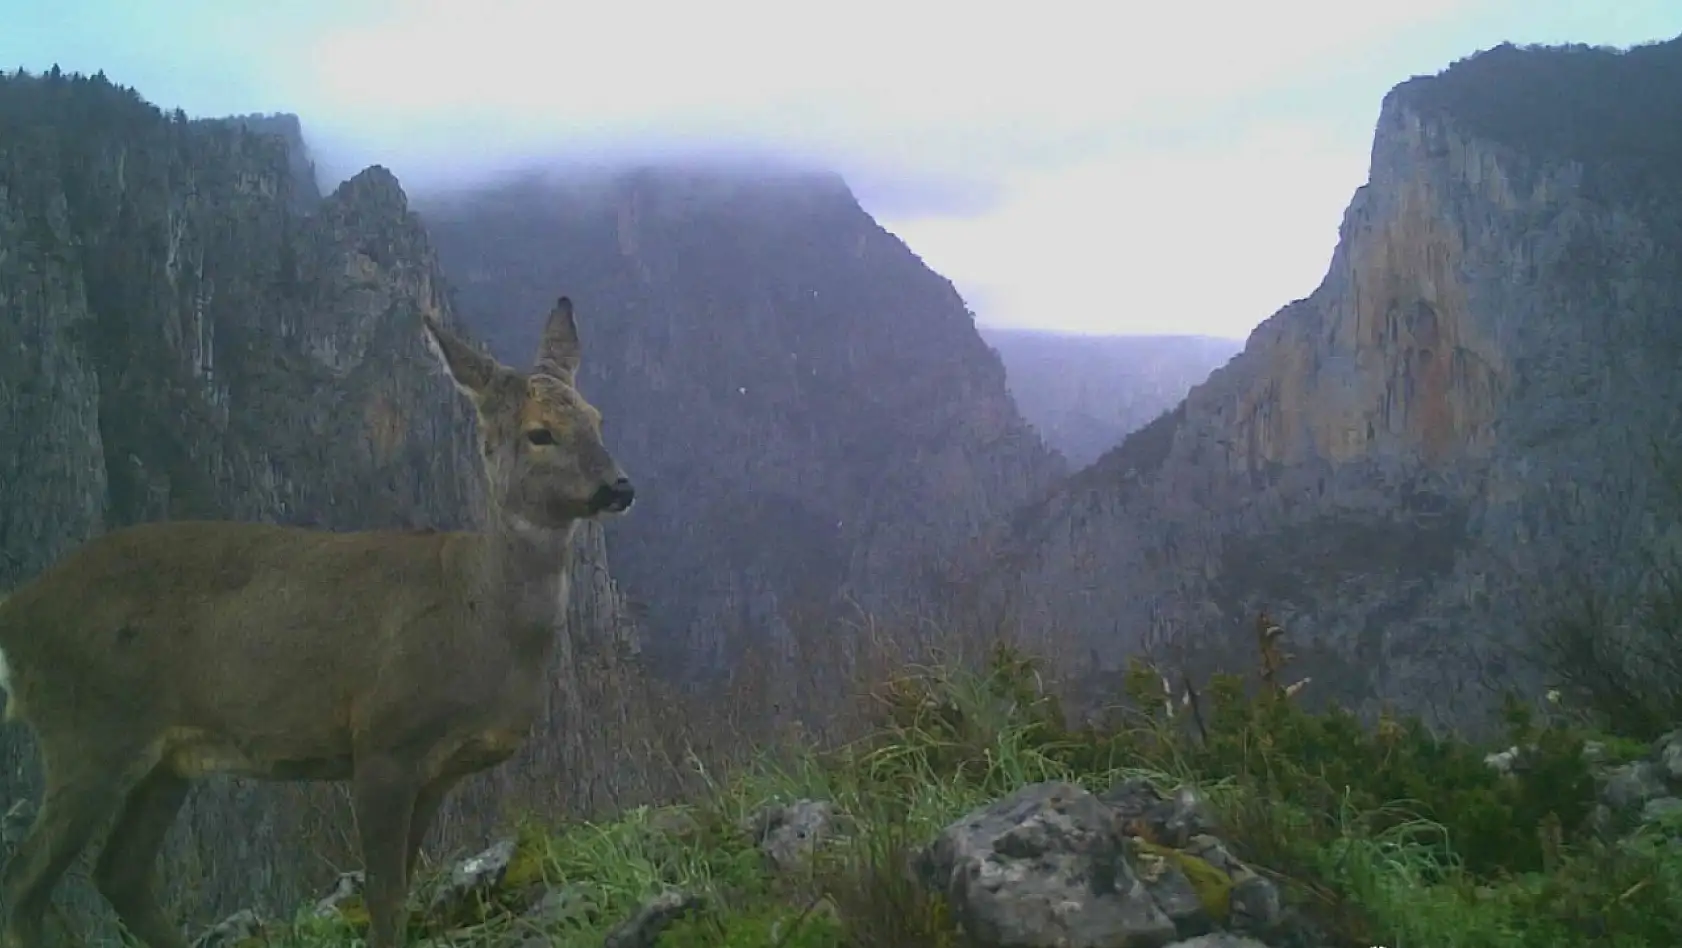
{"x": 1602, "y": 107}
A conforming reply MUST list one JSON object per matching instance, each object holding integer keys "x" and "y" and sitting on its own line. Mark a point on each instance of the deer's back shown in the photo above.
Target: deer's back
{"x": 249, "y": 626}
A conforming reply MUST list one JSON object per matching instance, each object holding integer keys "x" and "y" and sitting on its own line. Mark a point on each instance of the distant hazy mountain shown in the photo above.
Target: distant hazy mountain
{"x": 1086, "y": 393}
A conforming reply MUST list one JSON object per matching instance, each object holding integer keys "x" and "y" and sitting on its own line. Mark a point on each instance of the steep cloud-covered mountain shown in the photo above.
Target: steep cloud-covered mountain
{"x": 1085, "y": 393}
{"x": 1385, "y": 465}
{"x": 809, "y": 412}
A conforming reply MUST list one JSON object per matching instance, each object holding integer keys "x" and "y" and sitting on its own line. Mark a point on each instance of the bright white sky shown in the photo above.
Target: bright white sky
{"x": 1113, "y": 167}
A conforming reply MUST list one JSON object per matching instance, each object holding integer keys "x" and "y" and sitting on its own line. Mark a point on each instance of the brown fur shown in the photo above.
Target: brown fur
{"x": 400, "y": 661}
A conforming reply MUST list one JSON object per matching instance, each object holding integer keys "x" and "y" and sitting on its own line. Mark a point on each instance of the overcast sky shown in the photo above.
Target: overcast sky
{"x": 1091, "y": 167}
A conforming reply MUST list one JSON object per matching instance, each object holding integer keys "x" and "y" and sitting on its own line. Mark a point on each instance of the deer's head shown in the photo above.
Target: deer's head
{"x": 542, "y": 442}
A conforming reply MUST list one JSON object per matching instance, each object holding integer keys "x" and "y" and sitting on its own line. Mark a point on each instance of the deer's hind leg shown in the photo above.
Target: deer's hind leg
{"x": 125, "y": 871}
{"x": 87, "y": 776}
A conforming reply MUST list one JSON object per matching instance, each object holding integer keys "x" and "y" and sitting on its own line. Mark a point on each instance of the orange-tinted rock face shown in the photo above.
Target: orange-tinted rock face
{"x": 1389, "y": 354}
{"x": 1382, "y": 468}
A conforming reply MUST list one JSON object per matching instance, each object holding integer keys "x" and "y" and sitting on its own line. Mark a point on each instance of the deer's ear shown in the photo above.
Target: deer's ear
{"x": 470, "y": 369}
{"x": 559, "y": 353}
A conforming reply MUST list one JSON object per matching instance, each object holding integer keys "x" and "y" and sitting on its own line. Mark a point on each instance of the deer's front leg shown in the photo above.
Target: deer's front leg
{"x": 384, "y": 791}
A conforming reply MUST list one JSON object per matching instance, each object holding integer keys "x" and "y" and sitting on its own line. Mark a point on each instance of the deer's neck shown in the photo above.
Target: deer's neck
{"x": 525, "y": 573}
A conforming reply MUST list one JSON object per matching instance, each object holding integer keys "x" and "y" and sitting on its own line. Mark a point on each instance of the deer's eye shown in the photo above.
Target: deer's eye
{"x": 540, "y": 436}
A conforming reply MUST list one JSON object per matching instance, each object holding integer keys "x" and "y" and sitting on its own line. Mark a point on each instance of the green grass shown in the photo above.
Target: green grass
{"x": 1388, "y": 836}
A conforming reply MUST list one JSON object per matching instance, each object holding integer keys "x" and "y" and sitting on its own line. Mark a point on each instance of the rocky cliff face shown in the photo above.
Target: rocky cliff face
{"x": 177, "y": 341}
{"x": 1085, "y": 393}
{"x": 809, "y": 412}
{"x": 306, "y": 182}
{"x": 1381, "y": 467}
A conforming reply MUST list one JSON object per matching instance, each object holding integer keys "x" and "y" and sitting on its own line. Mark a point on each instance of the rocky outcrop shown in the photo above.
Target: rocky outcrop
{"x": 1638, "y": 793}
{"x": 809, "y": 410}
{"x": 177, "y": 341}
{"x": 787, "y": 834}
{"x": 1053, "y": 865}
{"x": 306, "y": 183}
{"x": 1632, "y": 796}
{"x": 1383, "y": 467}
{"x": 1086, "y": 393}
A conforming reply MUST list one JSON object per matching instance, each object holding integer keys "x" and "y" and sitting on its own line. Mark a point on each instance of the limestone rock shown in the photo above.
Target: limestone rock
{"x": 1045, "y": 867}
{"x": 1172, "y": 820}
{"x": 642, "y": 929}
{"x": 238, "y": 930}
{"x": 1219, "y": 940}
{"x": 789, "y": 833}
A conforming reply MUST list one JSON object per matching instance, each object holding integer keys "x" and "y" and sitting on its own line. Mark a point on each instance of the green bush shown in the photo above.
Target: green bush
{"x": 1396, "y": 773}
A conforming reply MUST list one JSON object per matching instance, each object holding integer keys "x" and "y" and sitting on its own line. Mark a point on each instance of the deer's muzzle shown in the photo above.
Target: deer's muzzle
{"x": 616, "y": 497}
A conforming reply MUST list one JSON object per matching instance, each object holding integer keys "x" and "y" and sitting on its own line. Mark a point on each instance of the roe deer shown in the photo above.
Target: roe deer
{"x": 400, "y": 661}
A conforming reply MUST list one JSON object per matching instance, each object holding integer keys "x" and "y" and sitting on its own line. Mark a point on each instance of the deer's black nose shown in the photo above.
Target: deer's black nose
{"x": 615, "y": 497}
